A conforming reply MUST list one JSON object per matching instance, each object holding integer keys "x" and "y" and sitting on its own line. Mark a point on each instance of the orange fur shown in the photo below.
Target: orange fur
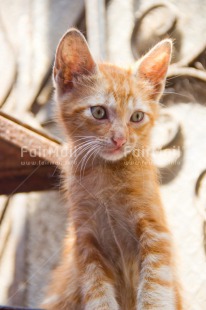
{"x": 118, "y": 252}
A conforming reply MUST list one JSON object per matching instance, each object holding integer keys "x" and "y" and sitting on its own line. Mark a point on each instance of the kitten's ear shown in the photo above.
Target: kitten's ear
{"x": 73, "y": 59}
{"x": 154, "y": 65}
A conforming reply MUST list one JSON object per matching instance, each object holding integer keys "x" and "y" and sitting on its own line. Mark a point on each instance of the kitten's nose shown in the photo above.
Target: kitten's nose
{"x": 119, "y": 141}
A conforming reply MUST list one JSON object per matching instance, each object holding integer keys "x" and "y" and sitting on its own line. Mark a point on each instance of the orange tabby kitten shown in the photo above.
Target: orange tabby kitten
{"x": 118, "y": 253}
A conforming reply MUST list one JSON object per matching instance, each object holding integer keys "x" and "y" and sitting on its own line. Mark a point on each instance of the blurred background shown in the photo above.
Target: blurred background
{"x": 32, "y": 214}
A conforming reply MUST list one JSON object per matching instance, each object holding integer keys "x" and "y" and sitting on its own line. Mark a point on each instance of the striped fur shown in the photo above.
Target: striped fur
{"x": 118, "y": 252}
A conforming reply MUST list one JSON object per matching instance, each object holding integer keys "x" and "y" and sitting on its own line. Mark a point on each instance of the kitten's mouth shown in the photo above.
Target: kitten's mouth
{"x": 113, "y": 154}
{"x": 116, "y": 150}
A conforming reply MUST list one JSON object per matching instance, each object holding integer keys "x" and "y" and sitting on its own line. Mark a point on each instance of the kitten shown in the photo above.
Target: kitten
{"x": 118, "y": 252}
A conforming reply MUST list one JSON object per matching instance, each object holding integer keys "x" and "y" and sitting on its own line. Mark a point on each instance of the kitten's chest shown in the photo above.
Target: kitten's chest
{"x": 120, "y": 246}
{"x": 105, "y": 212}
{"x": 107, "y": 204}
{"x": 115, "y": 229}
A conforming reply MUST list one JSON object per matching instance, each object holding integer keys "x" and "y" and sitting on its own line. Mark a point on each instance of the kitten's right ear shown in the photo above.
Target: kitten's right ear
{"x": 73, "y": 59}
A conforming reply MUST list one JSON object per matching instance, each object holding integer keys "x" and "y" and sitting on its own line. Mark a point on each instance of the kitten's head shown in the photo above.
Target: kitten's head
{"x": 106, "y": 110}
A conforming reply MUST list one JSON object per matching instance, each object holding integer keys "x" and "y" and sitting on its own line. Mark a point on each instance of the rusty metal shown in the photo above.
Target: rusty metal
{"x": 29, "y": 158}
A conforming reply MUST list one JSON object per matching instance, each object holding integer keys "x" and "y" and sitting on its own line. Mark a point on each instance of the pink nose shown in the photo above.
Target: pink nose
{"x": 119, "y": 141}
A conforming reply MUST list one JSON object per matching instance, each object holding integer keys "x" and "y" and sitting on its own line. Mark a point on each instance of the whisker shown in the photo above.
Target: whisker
{"x": 82, "y": 148}
{"x": 95, "y": 156}
{"x": 82, "y": 151}
{"x": 89, "y": 156}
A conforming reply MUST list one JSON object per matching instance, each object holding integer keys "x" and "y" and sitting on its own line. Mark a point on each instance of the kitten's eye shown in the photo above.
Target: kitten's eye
{"x": 137, "y": 116}
{"x": 98, "y": 112}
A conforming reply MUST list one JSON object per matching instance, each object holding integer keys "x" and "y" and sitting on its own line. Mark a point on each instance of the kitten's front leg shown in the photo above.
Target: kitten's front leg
{"x": 158, "y": 287}
{"x": 96, "y": 276}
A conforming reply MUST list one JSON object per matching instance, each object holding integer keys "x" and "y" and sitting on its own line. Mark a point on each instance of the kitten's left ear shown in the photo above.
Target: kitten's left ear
{"x": 154, "y": 65}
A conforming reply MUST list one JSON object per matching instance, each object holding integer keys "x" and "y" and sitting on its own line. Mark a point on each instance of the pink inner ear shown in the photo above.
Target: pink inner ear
{"x": 154, "y": 65}
{"x": 156, "y": 69}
